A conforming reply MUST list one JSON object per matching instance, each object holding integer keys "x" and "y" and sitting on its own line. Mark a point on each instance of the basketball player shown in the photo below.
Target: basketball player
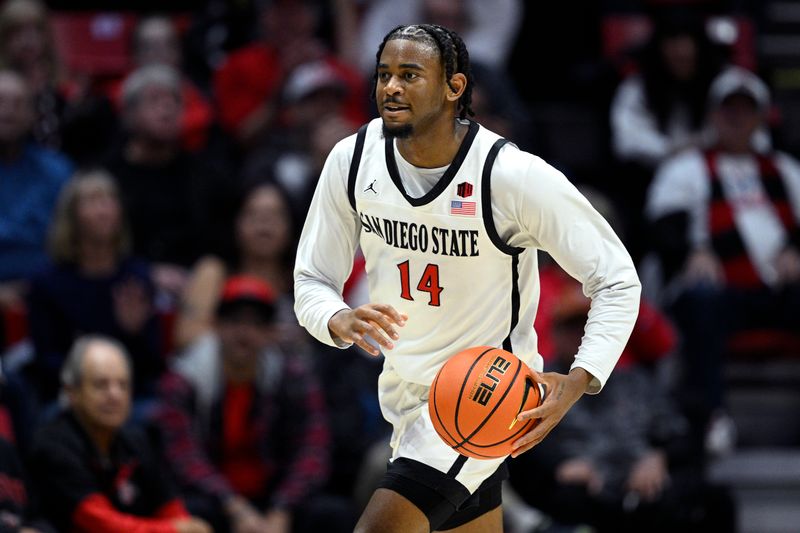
{"x": 449, "y": 217}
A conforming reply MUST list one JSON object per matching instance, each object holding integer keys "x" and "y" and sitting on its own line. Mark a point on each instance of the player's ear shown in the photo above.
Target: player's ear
{"x": 458, "y": 82}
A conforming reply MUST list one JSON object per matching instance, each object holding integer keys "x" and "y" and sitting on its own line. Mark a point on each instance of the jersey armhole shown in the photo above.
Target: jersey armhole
{"x": 486, "y": 201}
{"x": 354, "y": 163}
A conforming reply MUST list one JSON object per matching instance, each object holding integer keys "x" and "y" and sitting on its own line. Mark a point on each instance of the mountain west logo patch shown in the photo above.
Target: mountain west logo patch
{"x": 464, "y": 190}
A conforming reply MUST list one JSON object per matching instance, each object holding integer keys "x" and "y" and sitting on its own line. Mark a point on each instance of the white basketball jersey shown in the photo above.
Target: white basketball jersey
{"x": 439, "y": 258}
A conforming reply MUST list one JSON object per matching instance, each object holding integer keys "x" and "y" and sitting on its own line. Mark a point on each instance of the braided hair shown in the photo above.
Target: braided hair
{"x": 452, "y": 50}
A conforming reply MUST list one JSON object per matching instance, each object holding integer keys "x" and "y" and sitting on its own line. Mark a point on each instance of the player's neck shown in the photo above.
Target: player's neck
{"x": 435, "y": 146}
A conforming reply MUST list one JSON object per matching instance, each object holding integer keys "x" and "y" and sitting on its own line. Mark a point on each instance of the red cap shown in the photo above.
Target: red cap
{"x": 244, "y": 289}
{"x": 250, "y": 288}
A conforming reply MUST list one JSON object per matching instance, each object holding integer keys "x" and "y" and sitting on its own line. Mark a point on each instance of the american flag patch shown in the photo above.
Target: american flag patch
{"x": 458, "y": 207}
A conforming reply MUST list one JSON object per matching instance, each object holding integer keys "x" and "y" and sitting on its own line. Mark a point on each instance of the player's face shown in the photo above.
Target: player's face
{"x": 411, "y": 89}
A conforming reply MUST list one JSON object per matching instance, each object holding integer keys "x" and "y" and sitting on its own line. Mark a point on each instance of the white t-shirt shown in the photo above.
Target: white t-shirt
{"x": 682, "y": 183}
{"x": 419, "y": 235}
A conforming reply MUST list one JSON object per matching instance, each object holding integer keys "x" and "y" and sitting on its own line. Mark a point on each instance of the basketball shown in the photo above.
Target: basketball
{"x": 475, "y": 398}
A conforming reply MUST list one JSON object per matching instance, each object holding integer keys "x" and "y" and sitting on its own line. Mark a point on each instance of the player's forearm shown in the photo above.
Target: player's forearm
{"x": 315, "y": 304}
{"x": 614, "y": 309}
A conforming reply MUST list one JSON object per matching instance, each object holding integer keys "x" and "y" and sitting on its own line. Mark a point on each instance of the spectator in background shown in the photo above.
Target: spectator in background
{"x": 314, "y": 119}
{"x": 27, "y": 46}
{"x": 489, "y": 27}
{"x": 623, "y": 462}
{"x": 660, "y": 110}
{"x": 215, "y": 29}
{"x": 498, "y": 106}
{"x": 15, "y": 496}
{"x": 265, "y": 236}
{"x": 18, "y": 505}
{"x": 94, "y": 473}
{"x": 248, "y": 84}
{"x": 177, "y": 205}
{"x": 156, "y": 42}
{"x": 16, "y": 409}
{"x": 30, "y": 179}
{"x": 727, "y": 227}
{"x": 94, "y": 285}
{"x": 244, "y": 423}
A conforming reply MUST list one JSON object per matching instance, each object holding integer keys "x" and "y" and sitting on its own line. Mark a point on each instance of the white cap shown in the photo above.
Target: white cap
{"x": 311, "y": 77}
{"x": 736, "y": 80}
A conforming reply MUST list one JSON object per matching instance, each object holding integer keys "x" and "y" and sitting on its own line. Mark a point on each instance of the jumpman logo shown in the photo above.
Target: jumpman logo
{"x": 371, "y": 187}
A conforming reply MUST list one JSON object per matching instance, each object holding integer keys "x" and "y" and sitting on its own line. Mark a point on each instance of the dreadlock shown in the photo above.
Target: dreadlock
{"x": 452, "y": 50}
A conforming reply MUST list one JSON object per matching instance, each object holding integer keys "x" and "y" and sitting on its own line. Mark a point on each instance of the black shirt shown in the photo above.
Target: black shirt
{"x": 66, "y": 468}
{"x": 177, "y": 210}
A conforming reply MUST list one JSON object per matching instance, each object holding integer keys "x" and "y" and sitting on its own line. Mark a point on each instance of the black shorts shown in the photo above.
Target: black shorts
{"x": 445, "y": 501}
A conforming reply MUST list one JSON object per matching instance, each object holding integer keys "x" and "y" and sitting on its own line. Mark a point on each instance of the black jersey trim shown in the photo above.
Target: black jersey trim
{"x": 446, "y": 502}
{"x": 450, "y": 173}
{"x": 515, "y": 302}
{"x": 486, "y": 200}
{"x": 457, "y": 465}
{"x": 354, "y": 164}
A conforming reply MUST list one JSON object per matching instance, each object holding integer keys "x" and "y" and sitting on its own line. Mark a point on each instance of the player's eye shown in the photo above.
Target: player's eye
{"x": 383, "y": 76}
{"x": 410, "y": 75}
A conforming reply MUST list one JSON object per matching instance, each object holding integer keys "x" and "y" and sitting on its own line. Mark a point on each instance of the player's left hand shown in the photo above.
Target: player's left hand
{"x": 562, "y": 392}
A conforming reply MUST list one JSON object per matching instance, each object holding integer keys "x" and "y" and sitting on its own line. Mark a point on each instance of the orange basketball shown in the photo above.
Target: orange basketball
{"x": 475, "y": 398}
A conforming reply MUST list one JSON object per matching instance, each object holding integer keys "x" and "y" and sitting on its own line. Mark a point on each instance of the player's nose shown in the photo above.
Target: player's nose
{"x": 392, "y": 86}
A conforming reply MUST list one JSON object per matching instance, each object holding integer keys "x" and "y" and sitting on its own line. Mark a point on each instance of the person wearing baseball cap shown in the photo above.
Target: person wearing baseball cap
{"x": 738, "y": 81}
{"x": 726, "y": 227}
{"x": 244, "y": 292}
{"x": 245, "y": 423}
{"x": 738, "y": 105}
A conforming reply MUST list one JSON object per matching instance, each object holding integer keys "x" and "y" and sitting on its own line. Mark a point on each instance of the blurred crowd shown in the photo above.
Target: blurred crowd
{"x": 152, "y": 190}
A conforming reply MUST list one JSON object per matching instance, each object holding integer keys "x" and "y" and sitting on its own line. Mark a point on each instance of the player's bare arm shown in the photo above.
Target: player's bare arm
{"x": 374, "y": 322}
{"x": 562, "y": 392}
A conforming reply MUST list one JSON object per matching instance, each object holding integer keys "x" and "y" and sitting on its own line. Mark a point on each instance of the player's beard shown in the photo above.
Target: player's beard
{"x": 398, "y": 132}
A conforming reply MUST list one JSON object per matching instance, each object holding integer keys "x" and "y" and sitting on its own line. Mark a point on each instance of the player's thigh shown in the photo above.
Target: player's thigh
{"x": 491, "y": 522}
{"x": 390, "y": 512}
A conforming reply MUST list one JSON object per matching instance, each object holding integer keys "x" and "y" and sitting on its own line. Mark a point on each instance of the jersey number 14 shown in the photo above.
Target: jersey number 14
{"x": 429, "y": 282}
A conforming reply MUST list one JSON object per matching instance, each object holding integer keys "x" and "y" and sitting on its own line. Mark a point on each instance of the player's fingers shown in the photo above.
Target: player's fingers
{"x": 536, "y": 412}
{"x": 526, "y": 443}
{"x": 530, "y": 439}
{"x": 392, "y": 313}
{"x": 375, "y": 333}
{"x": 380, "y": 321}
{"x": 359, "y": 341}
{"x": 538, "y": 377}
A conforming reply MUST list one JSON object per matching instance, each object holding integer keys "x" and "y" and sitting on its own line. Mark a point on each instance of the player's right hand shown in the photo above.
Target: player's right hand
{"x": 375, "y": 322}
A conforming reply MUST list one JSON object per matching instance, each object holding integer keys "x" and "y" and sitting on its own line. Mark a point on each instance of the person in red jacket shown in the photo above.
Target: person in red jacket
{"x": 248, "y": 85}
{"x": 93, "y": 473}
